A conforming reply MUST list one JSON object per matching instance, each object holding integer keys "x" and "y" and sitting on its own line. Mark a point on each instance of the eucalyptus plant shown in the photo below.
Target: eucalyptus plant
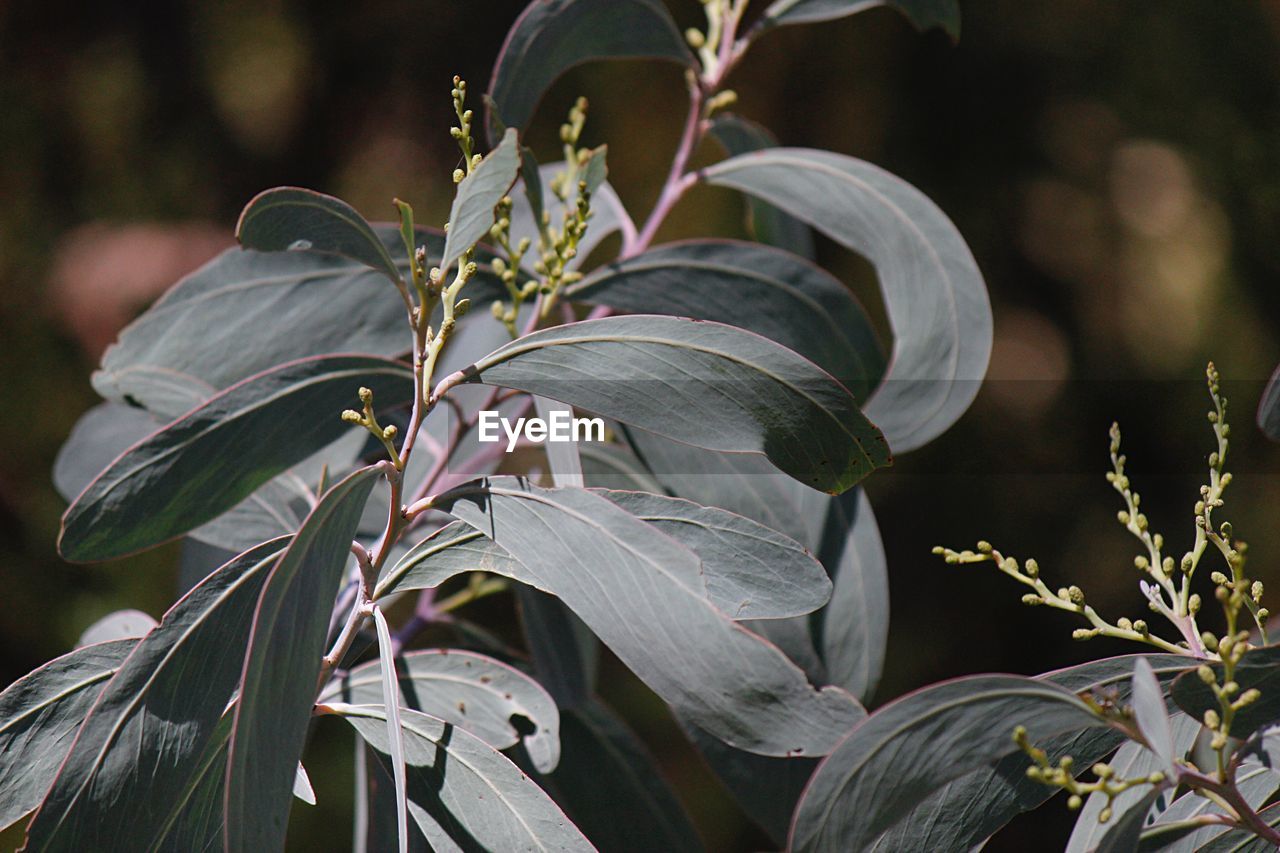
{"x": 312, "y": 407}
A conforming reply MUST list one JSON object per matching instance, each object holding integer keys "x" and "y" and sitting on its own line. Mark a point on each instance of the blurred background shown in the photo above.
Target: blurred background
{"x": 1115, "y": 168}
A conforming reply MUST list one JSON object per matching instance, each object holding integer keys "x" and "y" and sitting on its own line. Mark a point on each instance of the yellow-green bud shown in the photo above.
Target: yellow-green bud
{"x": 1206, "y": 674}
{"x": 389, "y": 432}
{"x": 1074, "y": 802}
{"x": 352, "y": 417}
{"x": 366, "y": 395}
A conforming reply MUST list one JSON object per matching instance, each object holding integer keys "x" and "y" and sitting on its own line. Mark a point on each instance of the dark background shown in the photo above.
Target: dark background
{"x": 1115, "y": 167}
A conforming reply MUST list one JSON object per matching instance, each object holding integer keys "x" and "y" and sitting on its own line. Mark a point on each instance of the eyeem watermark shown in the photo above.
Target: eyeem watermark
{"x": 561, "y": 426}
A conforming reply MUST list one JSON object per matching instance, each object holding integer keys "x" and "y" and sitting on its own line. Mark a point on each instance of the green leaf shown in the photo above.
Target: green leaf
{"x": 923, "y": 14}
{"x": 296, "y": 219}
{"x": 108, "y": 429}
{"x": 212, "y": 329}
{"x": 471, "y": 216}
{"x": 468, "y": 690}
{"x": 1243, "y": 840}
{"x": 841, "y": 532}
{"x": 451, "y": 550}
{"x": 1259, "y": 668}
{"x": 933, "y": 291}
{"x": 209, "y": 460}
{"x": 282, "y": 666}
{"x": 198, "y": 825}
{"x": 464, "y": 794}
{"x": 878, "y": 774}
{"x": 1255, "y": 783}
{"x": 767, "y": 224}
{"x": 395, "y": 735}
{"x": 1150, "y": 714}
{"x": 552, "y": 36}
{"x": 138, "y": 747}
{"x": 947, "y": 820}
{"x": 40, "y": 715}
{"x": 749, "y": 571}
{"x": 758, "y": 288}
{"x": 1131, "y": 761}
{"x": 701, "y": 383}
{"x": 651, "y": 609}
{"x": 1123, "y": 835}
{"x": 855, "y": 624}
{"x": 612, "y": 789}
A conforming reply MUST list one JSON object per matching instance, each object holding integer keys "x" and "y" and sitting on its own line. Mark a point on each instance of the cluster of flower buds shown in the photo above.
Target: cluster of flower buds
{"x": 369, "y": 421}
{"x": 1062, "y": 775}
{"x": 462, "y": 131}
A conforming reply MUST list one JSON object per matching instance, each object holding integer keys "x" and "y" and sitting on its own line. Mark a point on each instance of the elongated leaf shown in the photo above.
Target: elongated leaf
{"x": 282, "y": 665}
{"x": 142, "y": 737}
{"x": 947, "y": 819}
{"x": 453, "y": 550}
{"x": 120, "y": 625}
{"x": 855, "y": 624}
{"x": 933, "y": 291}
{"x": 395, "y": 735}
{"x": 758, "y": 288}
{"x": 1268, "y": 416}
{"x": 1131, "y": 761}
{"x": 40, "y": 714}
{"x": 296, "y": 219}
{"x": 962, "y": 814}
{"x": 750, "y": 571}
{"x": 464, "y": 794}
{"x": 488, "y": 698}
{"x": 107, "y": 430}
{"x": 649, "y": 608}
{"x": 1243, "y": 840}
{"x": 768, "y": 224}
{"x": 924, "y": 14}
{"x": 552, "y": 36}
{"x": 564, "y": 651}
{"x": 1255, "y": 783}
{"x": 701, "y": 383}
{"x": 198, "y": 823}
{"x": 206, "y": 333}
{"x": 472, "y": 212}
{"x": 877, "y": 775}
{"x": 209, "y": 460}
{"x": 1260, "y": 669}
{"x": 613, "y": 790}
{"x": 841, "y": 532}
{"x": 747, "y": 570}
{"x": 1149, "y": 712}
